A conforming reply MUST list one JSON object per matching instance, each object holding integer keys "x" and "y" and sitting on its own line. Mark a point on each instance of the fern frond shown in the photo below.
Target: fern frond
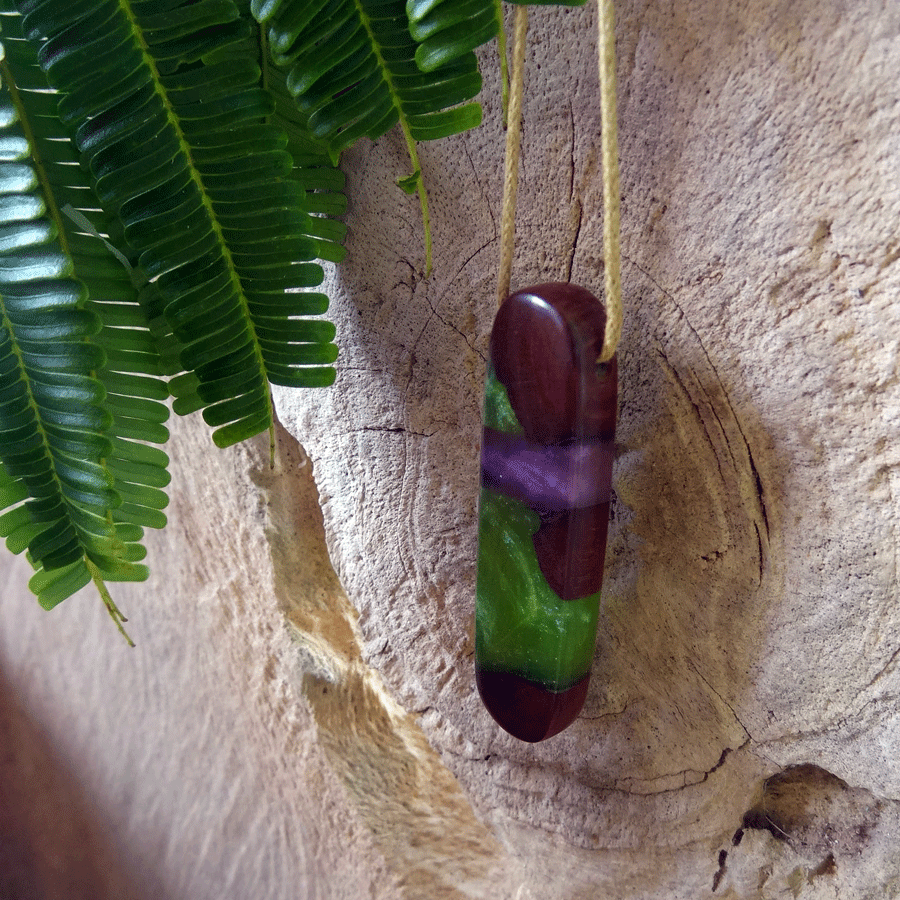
{"x": 135, "y": 397}
{"x": 315, "y": 169}
{"x": 55, "y": 485}
{"x": 352, "y": 71}
{"x": 172, "y": 127}
{"x": 70, "y": 481}
{"x": 448, "y": 29}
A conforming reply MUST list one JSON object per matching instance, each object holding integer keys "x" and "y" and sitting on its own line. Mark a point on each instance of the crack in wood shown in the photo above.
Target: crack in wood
{"x": 705, "y": 680}
{"x": 572, "y": 157}
{"x": 720, "y": 874}
{"x": 577, "y": 215}
{"x": 609, "y": 715}
{"x": 723, "y": 757}
{"x": 450, "y": 325}
{"x": 392, "y": 429}
{"x": 484, "y": 197}
{"x": 764, "y": 536}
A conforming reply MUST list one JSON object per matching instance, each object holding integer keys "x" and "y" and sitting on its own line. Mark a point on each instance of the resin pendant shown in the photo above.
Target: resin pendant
{"x": 546, "y": 473}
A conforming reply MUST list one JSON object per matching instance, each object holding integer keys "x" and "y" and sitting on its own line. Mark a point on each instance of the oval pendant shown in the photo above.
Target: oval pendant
{"x": 546, "y": 476}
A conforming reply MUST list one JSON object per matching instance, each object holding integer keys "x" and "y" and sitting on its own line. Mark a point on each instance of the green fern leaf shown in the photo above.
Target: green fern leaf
{"x": 352, "y": 72}
{"x": 87, "y": 406}
{"x": 172, "y": 127}
{"x": 53, "y": 449}
{"x": 448, "y": 29}
{"x": 315, "y": 170}
{"x": 134, "y": 398}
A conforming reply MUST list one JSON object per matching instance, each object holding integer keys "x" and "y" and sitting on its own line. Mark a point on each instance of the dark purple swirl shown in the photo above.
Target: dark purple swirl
{"x": 546, "y": 478}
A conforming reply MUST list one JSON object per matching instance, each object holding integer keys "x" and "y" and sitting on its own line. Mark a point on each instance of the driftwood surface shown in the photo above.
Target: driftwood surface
{"x": 299, "y": 719}
{"x": 750, "y": 619}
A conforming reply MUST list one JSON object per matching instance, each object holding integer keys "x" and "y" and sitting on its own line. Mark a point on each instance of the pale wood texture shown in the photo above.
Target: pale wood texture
{"x": 299, "y": 722}
{"x": 191, "y": 762}
{"x": 750, "y": 619}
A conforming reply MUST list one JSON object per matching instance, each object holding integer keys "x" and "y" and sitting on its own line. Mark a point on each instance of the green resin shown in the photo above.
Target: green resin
{"x": 498, "y": 412}
{"x": 521, "y": 625}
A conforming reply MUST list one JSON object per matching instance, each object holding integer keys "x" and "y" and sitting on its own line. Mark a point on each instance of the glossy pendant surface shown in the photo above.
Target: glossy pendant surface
{"x": 546, "y": 475}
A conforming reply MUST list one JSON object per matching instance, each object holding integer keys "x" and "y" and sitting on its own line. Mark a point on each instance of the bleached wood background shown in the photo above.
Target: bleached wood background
{"x": 750, "y": 620}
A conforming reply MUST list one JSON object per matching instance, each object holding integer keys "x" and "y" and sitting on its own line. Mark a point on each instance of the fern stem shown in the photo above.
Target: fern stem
{"x": 205, "y": 199}
{"x": 263, "y": 59}
{"x": 426, "y": 224}
{"x": 423, "y": 194}
{"x": 47, "y": 191}
{"x": 407, "y": 133}
{"x": 113, "y": 610}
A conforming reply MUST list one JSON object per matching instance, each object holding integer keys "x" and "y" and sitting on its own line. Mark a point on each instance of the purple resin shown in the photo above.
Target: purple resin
{"x": 547, "y": 478}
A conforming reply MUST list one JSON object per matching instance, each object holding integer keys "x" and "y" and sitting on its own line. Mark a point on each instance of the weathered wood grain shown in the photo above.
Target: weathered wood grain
{"x": 750, "y": 619}
{"x": 302, "y": 721}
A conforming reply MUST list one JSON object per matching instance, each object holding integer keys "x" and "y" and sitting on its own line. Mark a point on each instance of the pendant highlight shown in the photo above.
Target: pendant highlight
{"x": 546, "y": 475}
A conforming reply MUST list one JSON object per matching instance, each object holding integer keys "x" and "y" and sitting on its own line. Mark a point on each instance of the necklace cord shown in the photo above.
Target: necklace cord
{"x": 606, "y": 48}
{"x": 513, "y": 152}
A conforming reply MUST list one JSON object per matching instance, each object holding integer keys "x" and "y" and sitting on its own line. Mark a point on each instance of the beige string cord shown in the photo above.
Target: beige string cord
{"x": 609, "y": 144}
{"x": 513, "y": 152}
{"x": 606, "y": 53}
